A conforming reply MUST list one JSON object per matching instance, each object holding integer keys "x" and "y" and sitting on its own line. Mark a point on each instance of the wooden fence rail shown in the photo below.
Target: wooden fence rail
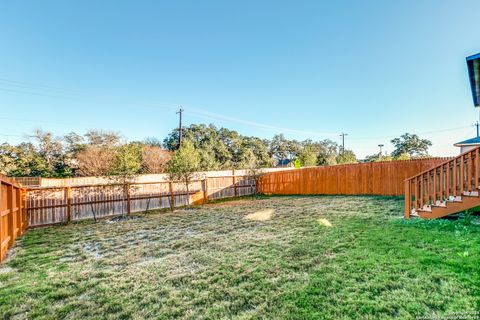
{"x": 13, "y": 216}
{"x": 53, "y": 205}
{"x": 375, "y": 178}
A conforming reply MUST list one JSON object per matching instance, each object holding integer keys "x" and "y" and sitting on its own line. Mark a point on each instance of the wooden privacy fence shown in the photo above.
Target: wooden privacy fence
{"x": 374, "y": 178}
{"x": 13, "y": 216}
{"x": 52, "y": 205}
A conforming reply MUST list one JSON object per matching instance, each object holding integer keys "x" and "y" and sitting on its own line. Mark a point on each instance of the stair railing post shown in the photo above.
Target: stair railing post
{"x": 415, "y": 192}
{"x": 476, "y": 162}
{"x": 454, "y": 178}
{"x": 447, "y": 181}
{"x": 442, "y": 183}
{"x": 469, "y": 172}
{"x": 408, "y": 199}
{"x": 461, "y": 178}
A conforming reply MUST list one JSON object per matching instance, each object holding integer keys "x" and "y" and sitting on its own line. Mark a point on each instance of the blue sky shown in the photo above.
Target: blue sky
{"x": 310, "y": 69}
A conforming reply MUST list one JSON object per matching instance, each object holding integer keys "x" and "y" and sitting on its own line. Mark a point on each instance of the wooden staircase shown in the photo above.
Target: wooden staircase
{"x": 448, "y": 188}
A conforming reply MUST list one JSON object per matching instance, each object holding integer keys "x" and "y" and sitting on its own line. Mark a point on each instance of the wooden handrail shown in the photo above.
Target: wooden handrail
{"x": 448, "y": 179}
{"x": 442, "y": 164}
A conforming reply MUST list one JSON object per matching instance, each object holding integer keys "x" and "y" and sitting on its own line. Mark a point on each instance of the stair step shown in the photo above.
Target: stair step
{"x": 425, "y": 209}
{"x": 454, "y": 199}
{"x": 440, "y": 205}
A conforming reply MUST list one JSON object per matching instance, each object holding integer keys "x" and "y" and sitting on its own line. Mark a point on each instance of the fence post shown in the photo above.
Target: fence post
{"x": 24, "y": 210}
{"x": 234, "y": 179}
{"x": 408, "y": 199}
{"x": 68, "y": 200}
{"x": 128, "y": 198}
{"x": 10, "y": 231}
{"x": 172, "y": 196}
{"x": 18, "y": 195}
{"x": 205, "y": 190}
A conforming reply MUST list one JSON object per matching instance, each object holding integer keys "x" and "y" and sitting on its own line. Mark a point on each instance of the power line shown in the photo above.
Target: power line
{"x": 193, "y": 111}
{"x": 36, "y": 93}
{"x": 419, "y": 133}
{"x": 216, "y": 116}
{"x": 31, "y": 85}
{"x": 198, "y": 112}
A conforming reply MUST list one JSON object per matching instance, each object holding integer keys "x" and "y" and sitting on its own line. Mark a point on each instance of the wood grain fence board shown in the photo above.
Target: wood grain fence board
{"x": 52, "y": 205}
{"x": 12, "y": 218}
{"x": 376, "y": 178}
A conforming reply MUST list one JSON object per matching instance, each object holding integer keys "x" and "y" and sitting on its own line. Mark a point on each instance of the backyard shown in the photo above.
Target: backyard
{"x": 297, "y": 257}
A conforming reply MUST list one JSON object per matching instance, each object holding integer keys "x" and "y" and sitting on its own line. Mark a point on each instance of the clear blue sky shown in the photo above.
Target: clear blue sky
{"x": 312, "y": 69}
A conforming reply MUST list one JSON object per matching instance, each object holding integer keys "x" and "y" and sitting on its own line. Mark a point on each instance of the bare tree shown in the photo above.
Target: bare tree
{"x": 154, "y": 159}
{"x": 95, "y": 161}
{"x": 103, "y": 138}
{"x": 50, "y": 148}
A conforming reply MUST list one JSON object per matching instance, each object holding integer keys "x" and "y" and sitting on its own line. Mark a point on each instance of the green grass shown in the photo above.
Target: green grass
{"x": 210, "y": 263}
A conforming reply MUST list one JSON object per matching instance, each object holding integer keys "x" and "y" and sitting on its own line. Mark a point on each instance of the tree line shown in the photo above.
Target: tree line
{"x": 100, "y": 153}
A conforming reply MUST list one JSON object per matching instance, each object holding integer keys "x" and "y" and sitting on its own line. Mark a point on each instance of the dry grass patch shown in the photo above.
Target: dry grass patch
{"x": 325, "y": 222}
{"x": 262, "y": 215}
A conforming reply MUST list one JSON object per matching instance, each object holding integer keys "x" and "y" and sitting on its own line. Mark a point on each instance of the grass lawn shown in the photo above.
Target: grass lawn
{"x": 285, "y": 262}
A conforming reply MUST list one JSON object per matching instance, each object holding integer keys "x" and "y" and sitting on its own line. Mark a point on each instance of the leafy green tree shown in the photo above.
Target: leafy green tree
{"x": 412, "y": 145}
{"x": 308, "y": 156}
{"x": 126, "y": 165}
{"x": 327, "y": 151}
{"x": 184, "y": 164}
{"x": 379, "y": 157}
{"x": 347, "y": 157}
{"x": 22, "y": 160}
{"x": 127, "y": 161}
{"x": 282, "y": 148}
{"x": 259, "y": 149}
{"x": 402, "y": 156}
{"x": 220, "y": 148}
{"x": 208, "y": 160}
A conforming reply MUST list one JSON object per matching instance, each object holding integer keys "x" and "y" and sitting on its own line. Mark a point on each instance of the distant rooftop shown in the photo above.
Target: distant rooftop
{"x": 469, "y": 142}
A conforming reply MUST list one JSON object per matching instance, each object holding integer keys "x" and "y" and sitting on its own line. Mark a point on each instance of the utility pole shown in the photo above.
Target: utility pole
{"x": 477, "y": 125}
{"x": 380, "y": 145}
{"x": 343, "y": 141}
{"x": 180, "y": 127}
